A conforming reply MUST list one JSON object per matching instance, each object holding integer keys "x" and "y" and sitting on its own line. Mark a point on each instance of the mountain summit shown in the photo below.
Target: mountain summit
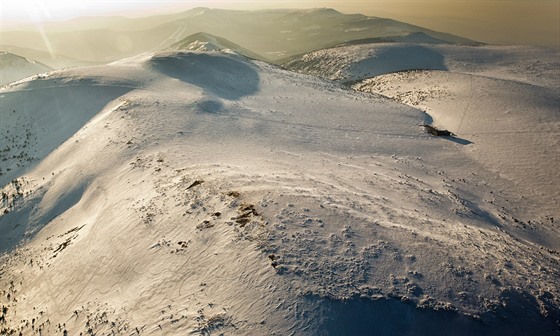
{"x": 209, "y": 42}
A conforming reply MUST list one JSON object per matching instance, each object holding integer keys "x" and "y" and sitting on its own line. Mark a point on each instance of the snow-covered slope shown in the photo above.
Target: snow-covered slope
{"x": 13, "y": 67}
{"x": 521, "y": 140}
{"x": 208, "y": 42}
{"x": 353, "y": 62}
{"x": 204, "y": 193}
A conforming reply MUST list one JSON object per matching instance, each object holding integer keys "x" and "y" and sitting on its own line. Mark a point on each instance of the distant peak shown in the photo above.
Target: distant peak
{"x": 318, "y": 11}
{"x": 201, "y": 35}
{"x": 329, "y": 10}
{"x": 417, "y": 34}
{"x": 198, "y": 11}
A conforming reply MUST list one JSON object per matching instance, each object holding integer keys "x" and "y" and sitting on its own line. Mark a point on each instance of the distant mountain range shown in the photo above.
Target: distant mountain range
{"x": 272, "y": 35}
{"x": 55, "y": 61}
{"x": 416, "y": 37}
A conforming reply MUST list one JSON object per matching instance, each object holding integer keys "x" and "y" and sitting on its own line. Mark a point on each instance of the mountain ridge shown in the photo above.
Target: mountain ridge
{"x": 274, "y": 34}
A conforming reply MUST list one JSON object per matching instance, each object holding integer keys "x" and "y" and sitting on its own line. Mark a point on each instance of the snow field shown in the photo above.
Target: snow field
{"x": 251, "y": 200}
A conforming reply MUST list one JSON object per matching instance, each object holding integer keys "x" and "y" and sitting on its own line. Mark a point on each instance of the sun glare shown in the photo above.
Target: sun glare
{"x": 33, "y": 11}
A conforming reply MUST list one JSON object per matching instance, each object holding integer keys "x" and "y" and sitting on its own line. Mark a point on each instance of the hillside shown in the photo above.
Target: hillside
{"x": 357, "y": 60}
{"x": 205, "y": 193}
{"x": 14, "y": 67}
{"x": 458, "y": 86}
{"x": 510, "y": 146}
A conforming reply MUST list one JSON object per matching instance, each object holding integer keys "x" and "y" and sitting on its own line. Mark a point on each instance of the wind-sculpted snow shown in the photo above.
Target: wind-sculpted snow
{"x": 218, "y": 195}
{"x": 359, "y": 316}
{"x": 356, "y": 61}
{"x": 227, "y": 76}
{"x": 349, "y": 64}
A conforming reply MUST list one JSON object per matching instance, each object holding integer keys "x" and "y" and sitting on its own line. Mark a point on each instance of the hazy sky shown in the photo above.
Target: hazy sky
{"x": 495, "y": 21}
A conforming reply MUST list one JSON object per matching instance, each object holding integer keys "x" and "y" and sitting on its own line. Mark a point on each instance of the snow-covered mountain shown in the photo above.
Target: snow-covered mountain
{"x": 356, "y": 61}
{"x": 205, "y": 193}
{"x": 208, "y": 42}
{"x": 348, "y": 63}
{"x": 14, "y": 67}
